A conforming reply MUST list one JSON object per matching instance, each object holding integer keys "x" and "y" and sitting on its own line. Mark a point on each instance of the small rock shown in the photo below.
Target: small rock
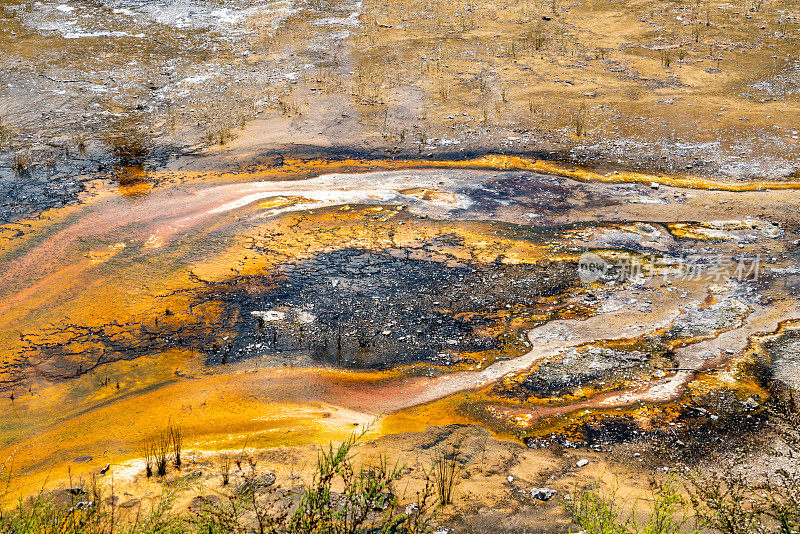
{"x": 412, "y": 509}
{"x": 510, "y": 479}
{"x": 201, "y": 502}
{"x": 129, "y": 503}
{"x": 530, "y": 442}
{"x": 654, "y": 185}
{"x": 383, "y": 501}
{"x": 194, "y": 475}
{"x": 104, "y": 470}
{"x": 254, "y": 484}
{"x": 83, "y": 505}
{"x": 582, "y": 462}
{"x": 543, "y": 494}
{"x": 751, "y": 404}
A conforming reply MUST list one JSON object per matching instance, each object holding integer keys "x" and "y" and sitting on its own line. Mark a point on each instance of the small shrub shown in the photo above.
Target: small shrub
{"x": 21, "y": 163}
{"x": 176, "y": 440}
{"x": 723, "y": 503}
{"x": 5, "y": 134}
{"x": 668, "y": 511}
{"x": 219, "y": 135}
{"x": 666, "y": 58}
{"x": 149, "y": 458}
{"x": 597, "y": 512}
{"x": 162, "y": 449}
{"x": 580, "y": 120}
{"x": 444, "y": 471}
{"x": 538, "y": 38}
{"x": 79, "y": 140}
{"x": 225, "y": 469}
{"x": 443, "y": 91}
{"x": 696, "y": 33}
{"x": 366, "y": 502}
{"x": 129, "y": 142}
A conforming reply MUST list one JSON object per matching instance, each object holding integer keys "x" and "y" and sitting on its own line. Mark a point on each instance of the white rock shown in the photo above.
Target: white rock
{"x": 269, "y": 315}
{"x": 543, "y": 494}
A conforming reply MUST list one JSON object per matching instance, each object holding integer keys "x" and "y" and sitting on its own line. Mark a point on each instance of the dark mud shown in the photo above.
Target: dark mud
{"x": 595, "y": 367}
{"x": 539, "y": 195}
{"x": 361, "y": 309}
{"x": 687, "y": 433}
{"x": 784, "y": 354}
{"x": 351, "y": 308}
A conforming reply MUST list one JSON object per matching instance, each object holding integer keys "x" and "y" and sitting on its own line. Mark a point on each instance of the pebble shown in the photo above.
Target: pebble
{"x": 543, "y": 494}
{"x": 582, "y": 462}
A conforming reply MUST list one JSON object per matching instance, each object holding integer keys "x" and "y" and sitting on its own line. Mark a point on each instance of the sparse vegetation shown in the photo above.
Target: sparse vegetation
{"x": 666, "y": 59}
{"x": 148, "y": 456}
{"x": 599, "y": 512}
{"x": 219, "y": 135}
{"x": 90, "y": 510}
{"x": 5, "y": 134}
{"x": 537, "y": 38}
{"x": 733, "y": 500}
{"x": 129, "y": 141}
{"x": 21, "y": 163}
{"x": 161, "y": 447}
{"x": 580, "y": 120}
{"x": 225, "y": 469}
{"x": 341, "y": 498}
{"x": 176, "y": 440}
{"x": 159, "y": 450}
{"x": 445, "y": 467}
{"x": 79, "y": 140}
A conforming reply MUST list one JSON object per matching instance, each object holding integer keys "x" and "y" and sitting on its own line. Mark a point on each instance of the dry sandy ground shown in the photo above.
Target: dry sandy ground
{"x": 491, "y": 493}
